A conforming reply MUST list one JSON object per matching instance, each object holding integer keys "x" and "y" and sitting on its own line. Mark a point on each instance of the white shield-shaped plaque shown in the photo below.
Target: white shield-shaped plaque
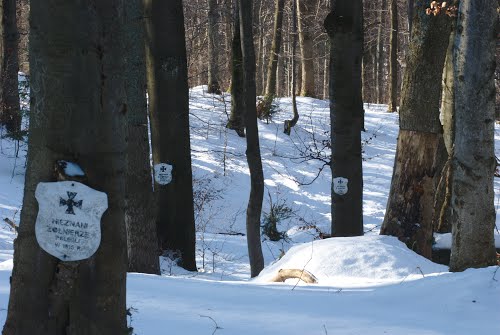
{"x": 68, "y": 225}
{"x": 163, "y": 173}
{"x": 340, "y": 185}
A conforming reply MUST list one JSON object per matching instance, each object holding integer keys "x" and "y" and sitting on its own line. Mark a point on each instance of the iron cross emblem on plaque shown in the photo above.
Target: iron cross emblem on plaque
{"x": 70, "y": 203}
{"x": 163, "y": 169}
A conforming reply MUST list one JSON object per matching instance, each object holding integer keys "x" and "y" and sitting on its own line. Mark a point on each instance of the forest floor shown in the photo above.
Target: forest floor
{"x": 367, "y": 285}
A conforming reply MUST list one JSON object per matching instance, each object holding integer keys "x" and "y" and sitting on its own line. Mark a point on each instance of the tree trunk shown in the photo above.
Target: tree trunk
{"x": 420, "y": 154}
{"x": 410, "y": 13}
{"x": 306, "y": 41}
{"x": 393, "y": 59}
{"x": 169, "y": 117}
{"x": 289, "y": 124}
{"x": 237, "y": 116}
{"x": 254, "y": 208}
{"x": 142, "y": 241}
{"x": 213, "y": 54}
{"x": 344, "y": 26}
{"x": 379, "y": 84}
{"x": 78, "y": 113}
{"x": 10, "y": 111}
{"x": 275, "y": 49}
{"x": 473, "y": 160}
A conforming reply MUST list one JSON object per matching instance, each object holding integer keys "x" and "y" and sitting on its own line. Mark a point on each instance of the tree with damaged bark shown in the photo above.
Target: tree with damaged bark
{"x": 472, "y": 156}
{"x": 10, "y": 111}
{"x": 254, "y": 208}
{"x": 420, "y": 153}
{"x": 78, "y": 113}
{"x": 344, "y": 25}
{"x": 169, "y": 117}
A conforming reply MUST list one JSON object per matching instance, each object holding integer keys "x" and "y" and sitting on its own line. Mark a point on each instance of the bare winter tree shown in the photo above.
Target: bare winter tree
{"x": 213, "y": 43}
{"x": 169, "y": 117}
{"x": 344, "y": 26}
{"x": 142, "y": 239}
{"x": 78, "y": 113}
{"x": 420, "y": 154}
{"x": 10, "y": 114}
{"x": 473, "y": 159}
{"x": 254, "y": 208}
{"x": 393, "y": 58}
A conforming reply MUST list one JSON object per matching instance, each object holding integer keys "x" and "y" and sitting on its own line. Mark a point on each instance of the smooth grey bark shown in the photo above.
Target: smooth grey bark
{"x": 10, "y": 111}
{"x": 420, "y": 153}
{"x": 289, "y": 124}
{"x": 78, "y": 113}
{"x": 213, "y": 54}
{"x": 473, "y": 159}
{"x": 142, "y": 241}
{"x": 306, "y": 41}
{"x": 237, "y": 116}
{"x": 380, "y": 55}
{"x": 169, "y": 117}
{"x": 275, "y": 49}
{"x": 411, "y": 13}
{"x": 344, "y": 25}
{"x": 393, "y": 58}
{"x": 254, "y": 208}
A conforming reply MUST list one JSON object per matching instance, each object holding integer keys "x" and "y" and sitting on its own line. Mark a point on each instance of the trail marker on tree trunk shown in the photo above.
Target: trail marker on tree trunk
{"x": 68, "y": 224}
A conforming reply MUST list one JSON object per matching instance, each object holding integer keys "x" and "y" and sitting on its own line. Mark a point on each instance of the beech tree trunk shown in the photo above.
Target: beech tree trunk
{"x": 344, "y": 25}
{"x": 213, "y": 54}
{"x": 289, "y": 124}
{"x": 379, "y": 84}
{"x": 169, "y": 116}
{"x": 142, "y": 240}
{"x": 78, "y": 113}
{"x": 254, "y": 208}
{"x": 275, "y": 49}
{"x": 237, "y": 116}
{"x": 473, "y": 159}
{"x": 10, "y": 111}
{"x": 420, "y": 154}
{"x": 393, "y": 59}
{"x": 306, "y": 40}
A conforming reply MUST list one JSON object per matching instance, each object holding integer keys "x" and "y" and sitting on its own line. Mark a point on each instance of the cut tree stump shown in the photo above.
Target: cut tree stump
{"x": 304, "y": 275}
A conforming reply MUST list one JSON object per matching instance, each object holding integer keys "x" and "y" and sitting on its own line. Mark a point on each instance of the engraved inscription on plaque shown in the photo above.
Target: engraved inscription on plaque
{"x": 340, "y": 185}
{"x": 68, "y": 224}
{"x": 163, "y": 173}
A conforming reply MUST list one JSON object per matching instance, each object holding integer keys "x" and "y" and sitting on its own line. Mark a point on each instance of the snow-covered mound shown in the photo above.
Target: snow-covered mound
{"x": 355, "y": 261}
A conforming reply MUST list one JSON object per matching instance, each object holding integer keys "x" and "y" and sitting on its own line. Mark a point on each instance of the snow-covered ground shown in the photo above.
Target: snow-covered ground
{"x": 366, "y": 285}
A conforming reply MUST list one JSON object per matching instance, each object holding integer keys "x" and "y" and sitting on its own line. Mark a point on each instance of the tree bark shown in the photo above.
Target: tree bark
{"x": 289, "y": 124}
{"x": 379, "y": 84}
{"x": 393, "y": 59}
{"x": 306, "y": 41}
{"x": 254, "y": 208}
{"x": 10, "y": 111}
{"x": 275, "y": 49}
{"x": 78, "y": 113}
{"x": 473, "y": 159}
{"x": 142, "y": 240}
{"x": 237, "y": 116}
{"x": 169, "y": 116}
{"x": 213, "y": 54}
{"x": 344, "y": 26}
{"x": 420, "y": 154}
